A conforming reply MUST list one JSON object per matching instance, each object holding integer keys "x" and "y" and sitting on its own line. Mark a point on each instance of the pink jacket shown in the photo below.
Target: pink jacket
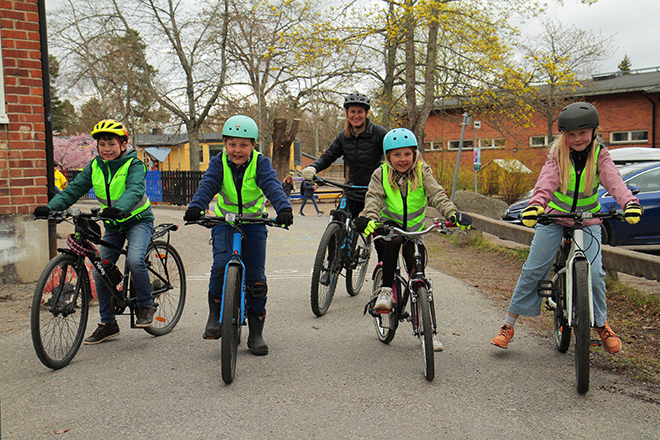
{"x": 608, "y": 174}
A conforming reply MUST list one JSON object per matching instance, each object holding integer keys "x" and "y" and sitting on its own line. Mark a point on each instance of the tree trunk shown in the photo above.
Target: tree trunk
{"x": 282, "y": 141}
{"x": 193, "y": 140}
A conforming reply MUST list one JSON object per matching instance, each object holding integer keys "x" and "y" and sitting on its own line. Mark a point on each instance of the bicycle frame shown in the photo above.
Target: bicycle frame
{"x": 236, "y": 260}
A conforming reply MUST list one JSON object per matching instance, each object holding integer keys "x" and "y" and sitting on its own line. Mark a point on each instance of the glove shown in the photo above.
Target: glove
{"x": 462, "y": 220}
{"x": 284, "y": 217}
{"x": 113, "y": 213}
{"x": 371, "y": 227}
{"x": 309, "y": 172}
{"x": 42, "y": 211}
{"x": 361, "y": 224}
{"x": 530, "y": 215}
{"x": 632, "y": 214}
{"x": 193, "y": 214}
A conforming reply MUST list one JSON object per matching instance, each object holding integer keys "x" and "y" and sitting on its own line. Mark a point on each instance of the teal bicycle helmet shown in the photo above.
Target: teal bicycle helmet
{"x": 241, "y": 126}
{"x": 399, "y": 138}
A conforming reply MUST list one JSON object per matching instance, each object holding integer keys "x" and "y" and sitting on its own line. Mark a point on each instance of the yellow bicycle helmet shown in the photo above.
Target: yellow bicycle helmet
{"x": 109, "y": 126}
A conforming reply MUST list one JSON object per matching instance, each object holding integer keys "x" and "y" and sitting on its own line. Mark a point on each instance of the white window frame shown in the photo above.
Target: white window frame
{"x": 629, "y": 135}
{"x": 4, "y": 119}
{"x": 546, "y": 143}
{"x": 453, "y": 144}
{"x": 489, "y": 143}
{"x": 432, "y": 146}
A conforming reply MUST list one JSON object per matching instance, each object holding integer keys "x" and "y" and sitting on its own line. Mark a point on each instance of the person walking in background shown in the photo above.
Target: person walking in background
{"x": 60, "y": 180}
{"x": 288, "y": 187}
{"x": 307, "y": 190}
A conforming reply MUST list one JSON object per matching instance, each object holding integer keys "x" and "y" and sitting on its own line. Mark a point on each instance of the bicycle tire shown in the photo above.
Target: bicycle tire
{"x": 231, "y": 312}
{"x": 163, "y": 259}
{"x": 562, "y": 329}
{"x": 385, "y": 335}
{"x": 581, "y": 324}
{"x": 326, "y": 269}
{"x": 425, "y": 330}
{"x": 58, "y": 325}
{"x": 361, "y": 253}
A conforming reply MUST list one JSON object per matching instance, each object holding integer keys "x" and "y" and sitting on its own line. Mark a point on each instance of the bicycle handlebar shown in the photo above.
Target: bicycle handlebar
{"x": 236, "y": 220}
{"x": 579, "y": 217}
{"x": 321, "y": 181}
{"x": 392, "y": 231}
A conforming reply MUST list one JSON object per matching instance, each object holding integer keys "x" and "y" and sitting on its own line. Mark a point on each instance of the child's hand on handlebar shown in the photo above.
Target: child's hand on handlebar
{"x": 371, "y": 227}
{"x": 193, "y": 214}
{"x": 462, "y": 220}
{"x": 284, "y": 217}
{"x": 530, "y": 215}
{"x": 632, "y": 213}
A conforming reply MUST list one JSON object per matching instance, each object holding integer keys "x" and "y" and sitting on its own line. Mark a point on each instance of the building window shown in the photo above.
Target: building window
{"x": 3, "y": 112}
{"x": 467, "y": 144}
{"x": 492, "y": 143}
{"x": 433, "y": 146}
{"x": 541, "y": 141}
{"x": 214, "y": 150}
{"x": 629, "y": 137}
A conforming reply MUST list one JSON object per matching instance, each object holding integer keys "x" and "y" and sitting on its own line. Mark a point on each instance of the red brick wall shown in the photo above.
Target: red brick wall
{"x": 23, "y": 183}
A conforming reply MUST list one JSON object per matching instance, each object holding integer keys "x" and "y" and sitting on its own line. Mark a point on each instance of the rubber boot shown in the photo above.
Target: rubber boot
{"x": 213, "y": 329}
{"x": 255, "y": 341}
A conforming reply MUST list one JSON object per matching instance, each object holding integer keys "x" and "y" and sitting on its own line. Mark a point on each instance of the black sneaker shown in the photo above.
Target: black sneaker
{"x": 302, "y": 213}
{"x": 102, "y": 333}
{"x": 145, "y": 316}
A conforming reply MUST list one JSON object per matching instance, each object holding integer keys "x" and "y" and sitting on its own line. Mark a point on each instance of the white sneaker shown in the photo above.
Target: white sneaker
{"x": 437, "y": 345}
{"x": 384, "y": 301}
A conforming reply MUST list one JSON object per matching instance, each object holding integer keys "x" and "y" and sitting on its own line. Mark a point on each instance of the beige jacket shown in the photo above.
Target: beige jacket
{"x": 437, "y": 197}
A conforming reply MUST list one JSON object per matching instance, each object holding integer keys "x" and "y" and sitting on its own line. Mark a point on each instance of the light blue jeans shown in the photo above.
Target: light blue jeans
{"x": 138, "y": 236}
{"x": 547, "y": 238}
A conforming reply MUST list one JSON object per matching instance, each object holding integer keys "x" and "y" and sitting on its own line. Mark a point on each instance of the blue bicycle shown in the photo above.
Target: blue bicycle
{"x": 232, "y": 311}
{"x": 341, "y": 247}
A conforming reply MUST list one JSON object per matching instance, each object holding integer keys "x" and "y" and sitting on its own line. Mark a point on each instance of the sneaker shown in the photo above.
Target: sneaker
{"x": 145, "y": 316}
{"x": 611, "y": 342}
{"x": 437, "y": 345}
{"x": 384, "y": 301}
{"x": 320, "y": 213}
{"x": 503, "y": 338}
{"x": 102, "y": 333}
{"x": 302, "y": 213}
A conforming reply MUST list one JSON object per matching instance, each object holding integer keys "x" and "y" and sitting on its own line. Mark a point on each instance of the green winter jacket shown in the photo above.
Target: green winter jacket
{"x": 136, "y": 187}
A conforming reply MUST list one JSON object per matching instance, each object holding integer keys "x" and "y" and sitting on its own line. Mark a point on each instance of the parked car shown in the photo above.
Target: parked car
{"x": 643, "y": 179}
{"x": 628, "y": 155}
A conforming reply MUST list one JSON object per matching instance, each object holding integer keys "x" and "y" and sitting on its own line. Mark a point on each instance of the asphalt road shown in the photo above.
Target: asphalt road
{"x": 325, "y": 377}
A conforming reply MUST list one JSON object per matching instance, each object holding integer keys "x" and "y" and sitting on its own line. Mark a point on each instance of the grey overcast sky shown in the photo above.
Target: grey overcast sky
{"x": 634, "y": 24}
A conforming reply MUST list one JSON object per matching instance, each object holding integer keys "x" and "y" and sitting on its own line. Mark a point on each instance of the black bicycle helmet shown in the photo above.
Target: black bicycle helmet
{"x": 577, "y": 116}
{"x": 357, "y": 99}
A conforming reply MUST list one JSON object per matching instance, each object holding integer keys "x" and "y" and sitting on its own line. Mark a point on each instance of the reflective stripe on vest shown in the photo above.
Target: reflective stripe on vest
{"x": 250, "y": 202}
{"x": 564, "y": 202}
{"x": 409, "y": 213}
{"x": 117, "y": 186}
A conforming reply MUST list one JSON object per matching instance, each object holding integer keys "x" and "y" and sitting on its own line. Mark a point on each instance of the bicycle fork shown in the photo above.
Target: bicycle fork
{"x": 235, "y": 261}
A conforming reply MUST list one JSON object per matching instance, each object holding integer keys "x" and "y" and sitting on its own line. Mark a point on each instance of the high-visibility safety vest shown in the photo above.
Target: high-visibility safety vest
{"x": 109, "y": 189}
{"x": 409, "y": 212}
{"x": 582, "y": 203}
{"x": 249, "y": 201}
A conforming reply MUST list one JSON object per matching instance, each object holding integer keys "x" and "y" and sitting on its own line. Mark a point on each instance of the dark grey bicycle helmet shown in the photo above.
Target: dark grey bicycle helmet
{"x": 357, "y": 99}
{"x": 577, "y": 116}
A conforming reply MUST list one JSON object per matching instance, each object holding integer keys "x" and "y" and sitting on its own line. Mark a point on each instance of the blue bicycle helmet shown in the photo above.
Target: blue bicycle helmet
{"x": 241, "y": 126}
{"x": 399, "y": 138}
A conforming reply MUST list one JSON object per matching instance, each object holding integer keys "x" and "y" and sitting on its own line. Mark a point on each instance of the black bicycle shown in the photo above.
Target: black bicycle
{"x": 341, "y": 247}
{"x": 569, "y": 295}
{"x": 60, "y": 306}
{"x": 232, "y": 312}
{"x": 416, "y": 288}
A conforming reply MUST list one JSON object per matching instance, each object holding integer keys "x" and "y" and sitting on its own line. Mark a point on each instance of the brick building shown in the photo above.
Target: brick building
{"x": 629, "y": 108}
{"x": 23, "y": 164}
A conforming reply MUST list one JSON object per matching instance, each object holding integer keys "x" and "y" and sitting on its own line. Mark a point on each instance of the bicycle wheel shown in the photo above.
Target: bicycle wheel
{"x": 326, "y": 269}
{"x": 425, "y": 329}
{"x": 385, "y": 334}
{"x": 357, "y": 271}
{"x": 168, "y": 286}
{"x": 581, "y": 324}
{"x": 562, "y": 330}
{"x": 60, "y": 308}
{"x": 231, "y": 312}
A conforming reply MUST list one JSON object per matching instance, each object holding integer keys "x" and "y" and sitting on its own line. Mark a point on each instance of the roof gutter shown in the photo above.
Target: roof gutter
{"x": 646, "y": 95}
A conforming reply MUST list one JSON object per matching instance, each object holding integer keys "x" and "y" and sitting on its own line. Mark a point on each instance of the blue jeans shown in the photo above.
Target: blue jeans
{"x": 305, "y": 201}
{"x": 253, "y": 256}
{"x": 138, "y": 236}
{"x": 547, "y": 238}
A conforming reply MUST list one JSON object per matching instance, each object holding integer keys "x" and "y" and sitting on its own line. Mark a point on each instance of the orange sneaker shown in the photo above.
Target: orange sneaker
{"x": 504, "y": 336}
{"x": 611, "y": 341}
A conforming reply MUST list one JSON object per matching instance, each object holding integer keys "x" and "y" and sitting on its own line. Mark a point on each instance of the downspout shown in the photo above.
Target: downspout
{"x": 48, "y": 120}
{"x": 653, "y": 117}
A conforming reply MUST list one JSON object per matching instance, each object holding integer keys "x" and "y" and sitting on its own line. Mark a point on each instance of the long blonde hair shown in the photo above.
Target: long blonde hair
{"x": 413, "y": 176}
{"x": 562, "y": 153}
